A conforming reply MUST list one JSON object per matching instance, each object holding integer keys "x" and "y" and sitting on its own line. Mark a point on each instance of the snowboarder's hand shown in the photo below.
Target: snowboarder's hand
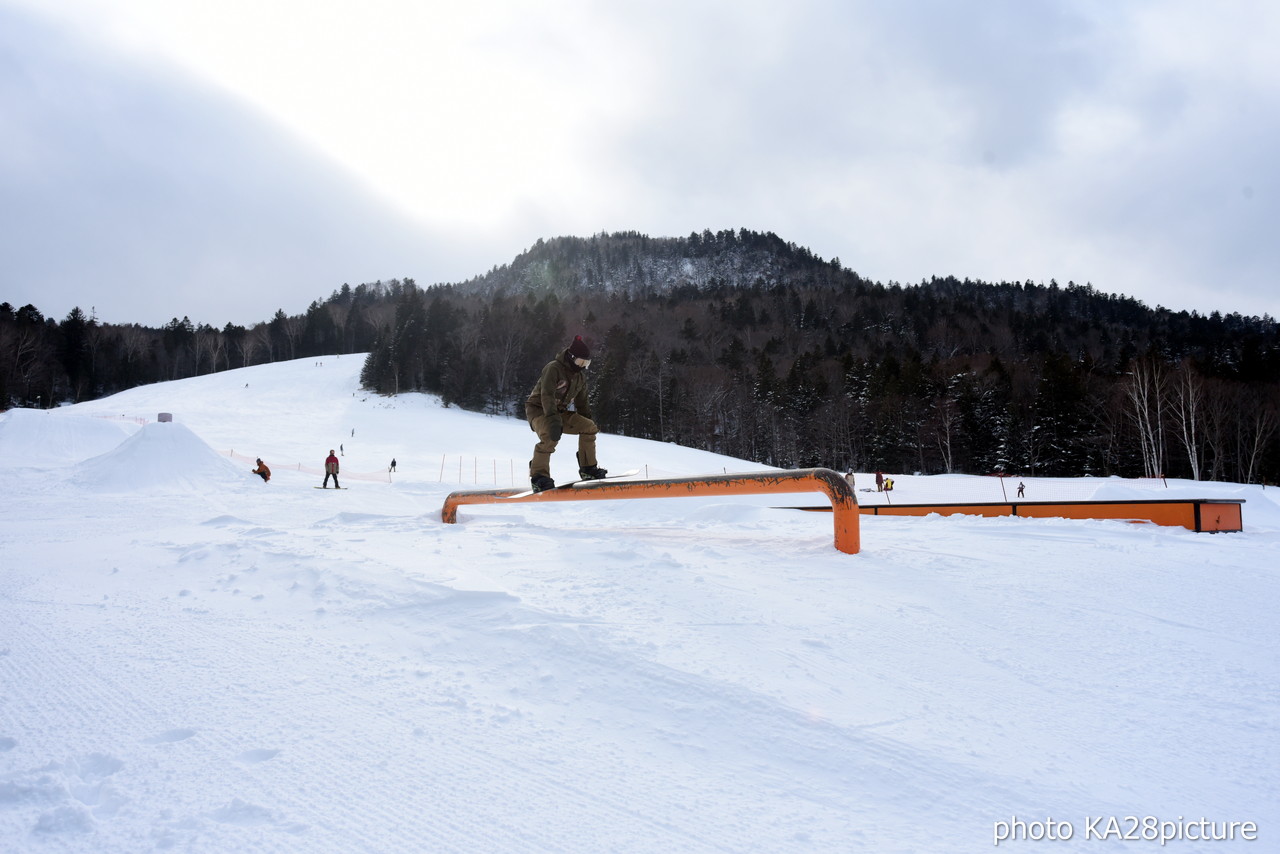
{"x": 555, "y": 428}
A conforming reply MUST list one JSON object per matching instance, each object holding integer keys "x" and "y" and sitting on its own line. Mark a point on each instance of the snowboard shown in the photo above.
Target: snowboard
{"x": 575, "y": 483}
{"x": 328, "y": 487}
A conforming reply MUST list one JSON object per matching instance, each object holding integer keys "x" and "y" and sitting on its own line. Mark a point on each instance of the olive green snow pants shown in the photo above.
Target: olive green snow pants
{"x": 574, "y": 424}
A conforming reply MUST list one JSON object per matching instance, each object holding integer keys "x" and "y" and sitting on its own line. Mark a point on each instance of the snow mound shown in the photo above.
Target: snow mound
{"x": 161, "y": 457}
{"x": 46, "y": 438}
{"x": 1176, "y": 491}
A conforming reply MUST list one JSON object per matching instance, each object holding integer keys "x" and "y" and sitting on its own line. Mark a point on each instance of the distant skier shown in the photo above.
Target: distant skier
{"x": 331, "y": 470}
{"x": 1022, "y": 489}
{"x": 262, "y": 471}
{"x": 563, "y": 382}
{"x": 393, "y": 464}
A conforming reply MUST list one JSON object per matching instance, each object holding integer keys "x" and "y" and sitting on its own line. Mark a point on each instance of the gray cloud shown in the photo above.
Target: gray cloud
{"x": 1006, "y": 139}
{"x": 132, "y": 189}
{"x": 1125, "y": 145}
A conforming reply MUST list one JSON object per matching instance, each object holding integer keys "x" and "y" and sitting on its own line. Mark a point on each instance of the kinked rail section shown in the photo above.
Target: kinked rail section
{"x": 844, "y": 504}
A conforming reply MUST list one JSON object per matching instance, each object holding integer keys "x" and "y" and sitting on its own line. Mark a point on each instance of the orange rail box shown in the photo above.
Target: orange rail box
{"x": 1196, "y": 514}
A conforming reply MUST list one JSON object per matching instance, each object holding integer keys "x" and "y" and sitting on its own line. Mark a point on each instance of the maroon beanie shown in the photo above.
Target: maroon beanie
{"x": 579, "y": 348}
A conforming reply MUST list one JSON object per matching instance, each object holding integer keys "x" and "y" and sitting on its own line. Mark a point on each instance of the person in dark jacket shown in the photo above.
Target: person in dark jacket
{"x": 331, "y": 470}
{"x": 563, "y": 384}
{"x": 262, "y": 471}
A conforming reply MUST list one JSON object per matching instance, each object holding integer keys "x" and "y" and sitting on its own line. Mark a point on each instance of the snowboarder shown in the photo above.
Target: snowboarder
{"x": 563, "y": 383}
{"x": 393, "y": 464}
{"x": 879, "y": 481}
{"x": 331, "y": 470}
{"x": 262, "y": 471}
{"x": 1022, "y": 489}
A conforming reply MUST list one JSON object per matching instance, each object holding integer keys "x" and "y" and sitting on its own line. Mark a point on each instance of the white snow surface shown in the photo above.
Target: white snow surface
{"x": 192, "y": 659}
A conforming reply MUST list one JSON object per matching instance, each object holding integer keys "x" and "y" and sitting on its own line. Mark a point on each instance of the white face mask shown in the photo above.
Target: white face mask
{"x": 581, "y": 362}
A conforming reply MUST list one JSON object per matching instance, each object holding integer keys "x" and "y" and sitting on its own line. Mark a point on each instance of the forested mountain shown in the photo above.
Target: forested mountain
{"x": 744, "y": 344}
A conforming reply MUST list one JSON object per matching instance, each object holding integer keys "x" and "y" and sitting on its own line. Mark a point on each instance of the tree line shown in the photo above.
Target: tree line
{"x": 742, "y": 344}
{"x": 745, "y": 345}
{"x": 44, "y": 362}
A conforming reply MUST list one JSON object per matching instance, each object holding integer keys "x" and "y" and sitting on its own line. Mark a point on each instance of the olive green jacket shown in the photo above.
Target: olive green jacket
{"x": 561, "y": 383}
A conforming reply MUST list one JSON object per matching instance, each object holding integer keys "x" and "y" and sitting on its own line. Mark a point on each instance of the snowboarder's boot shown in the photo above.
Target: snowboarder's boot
{"x": 541, "y": 482}
{"x": 591, "y": 472}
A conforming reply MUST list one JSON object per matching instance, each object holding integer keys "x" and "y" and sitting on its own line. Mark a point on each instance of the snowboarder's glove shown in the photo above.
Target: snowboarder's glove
{"x": 555, "y": 428}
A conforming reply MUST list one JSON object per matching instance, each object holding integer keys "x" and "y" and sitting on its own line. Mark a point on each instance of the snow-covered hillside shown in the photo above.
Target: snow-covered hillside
{"x": 192, "y": 659}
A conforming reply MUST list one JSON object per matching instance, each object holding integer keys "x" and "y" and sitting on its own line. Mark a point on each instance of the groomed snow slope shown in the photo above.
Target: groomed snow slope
{"x": 191, "y": 659}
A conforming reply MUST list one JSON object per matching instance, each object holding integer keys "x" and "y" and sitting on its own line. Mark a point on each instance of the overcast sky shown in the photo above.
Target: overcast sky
{"x": 224, "y": 159}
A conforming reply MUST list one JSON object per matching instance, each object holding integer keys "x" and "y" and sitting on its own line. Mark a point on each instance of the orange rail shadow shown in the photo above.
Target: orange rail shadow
{"x": 844, "y": 504}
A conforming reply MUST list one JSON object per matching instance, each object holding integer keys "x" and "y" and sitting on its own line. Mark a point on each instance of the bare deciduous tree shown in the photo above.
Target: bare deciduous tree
{"x": 1188, "y": 411}
{"x": 1147, "y": 393}
{"x": 1257, "y": 421}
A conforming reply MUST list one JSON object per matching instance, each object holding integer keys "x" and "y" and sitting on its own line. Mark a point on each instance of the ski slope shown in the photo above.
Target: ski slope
{"x": 191, "y": 659}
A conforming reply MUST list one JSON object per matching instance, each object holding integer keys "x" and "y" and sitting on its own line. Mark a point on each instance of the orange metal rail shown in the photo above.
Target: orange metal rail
{"x": 1194, "y": 514}
{"x": 844, "y": 504}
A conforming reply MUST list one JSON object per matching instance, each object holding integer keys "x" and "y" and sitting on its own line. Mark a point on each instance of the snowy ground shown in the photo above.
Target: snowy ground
{"x": 193, "y": 659}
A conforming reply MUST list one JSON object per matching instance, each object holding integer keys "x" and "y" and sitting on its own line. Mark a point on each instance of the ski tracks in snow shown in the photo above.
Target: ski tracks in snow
{"x": 367, "y": 682}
